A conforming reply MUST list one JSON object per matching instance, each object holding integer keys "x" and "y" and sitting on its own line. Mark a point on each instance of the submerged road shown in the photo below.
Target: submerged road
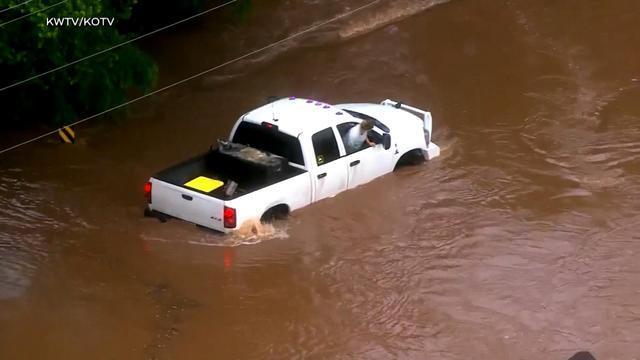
{"x": 519, "y": 242}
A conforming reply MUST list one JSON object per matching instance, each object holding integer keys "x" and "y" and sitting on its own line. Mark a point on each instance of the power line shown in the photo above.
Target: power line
{"x": 311, "y": 28}
{"x": 35, "y": 12}
{"x": 15, "y": 6}
{"x": 117, "y": 46}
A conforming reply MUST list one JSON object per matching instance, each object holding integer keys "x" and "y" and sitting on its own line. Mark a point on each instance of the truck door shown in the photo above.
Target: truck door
{"x": 366, "y": 163}
{"x": 330, "y": 176}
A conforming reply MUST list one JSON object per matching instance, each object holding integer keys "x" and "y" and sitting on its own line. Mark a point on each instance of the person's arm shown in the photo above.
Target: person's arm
{"x": 371, "y": 143}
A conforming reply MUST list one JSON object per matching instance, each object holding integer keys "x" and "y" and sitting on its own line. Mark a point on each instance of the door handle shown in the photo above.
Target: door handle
{"x": 354, "y": 163}
{"x": 320, "y": 176}
{"x": 187, "y": 197}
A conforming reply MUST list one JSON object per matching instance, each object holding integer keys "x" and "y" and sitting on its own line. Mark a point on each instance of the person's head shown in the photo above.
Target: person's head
{"x": 366, "y": 125}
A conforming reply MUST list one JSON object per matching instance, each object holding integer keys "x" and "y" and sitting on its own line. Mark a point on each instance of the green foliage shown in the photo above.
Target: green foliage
{"x": 242, "y": 9}
{"x": 29, "y": 47}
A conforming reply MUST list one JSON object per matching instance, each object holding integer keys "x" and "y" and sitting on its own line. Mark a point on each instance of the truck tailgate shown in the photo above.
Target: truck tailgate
{"x": 187, "y": 205}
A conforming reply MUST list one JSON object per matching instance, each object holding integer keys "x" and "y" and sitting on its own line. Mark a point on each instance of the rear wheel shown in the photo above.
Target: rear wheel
{"x": 275, "y": 213}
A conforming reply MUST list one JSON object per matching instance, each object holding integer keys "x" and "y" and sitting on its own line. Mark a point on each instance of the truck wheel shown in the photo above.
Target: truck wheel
{"x": 161, "y": 217}
{"x": 413, "y": 157}
{"x": 275, "y": 213}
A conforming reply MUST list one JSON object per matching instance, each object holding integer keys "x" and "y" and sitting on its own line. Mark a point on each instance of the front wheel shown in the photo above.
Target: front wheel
{"x": 413, "y": 157}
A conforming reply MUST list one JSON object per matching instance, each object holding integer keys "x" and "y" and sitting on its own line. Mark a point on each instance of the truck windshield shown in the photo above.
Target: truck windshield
{"x": 269, "y": 139}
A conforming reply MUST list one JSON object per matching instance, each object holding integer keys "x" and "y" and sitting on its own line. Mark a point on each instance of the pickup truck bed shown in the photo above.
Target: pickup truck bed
{"x": 209, "y": 164}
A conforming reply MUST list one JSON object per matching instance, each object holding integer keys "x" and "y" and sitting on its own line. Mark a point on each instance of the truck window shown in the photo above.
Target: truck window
{"x": 325, "y": 146}
{"x": 376, "y": 122}
{"x": 344, "y": 128}
{"x": 269, "y": 139}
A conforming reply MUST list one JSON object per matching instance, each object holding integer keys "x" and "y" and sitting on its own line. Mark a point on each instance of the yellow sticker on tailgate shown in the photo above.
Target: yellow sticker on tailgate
{"x": 204, "y": 184}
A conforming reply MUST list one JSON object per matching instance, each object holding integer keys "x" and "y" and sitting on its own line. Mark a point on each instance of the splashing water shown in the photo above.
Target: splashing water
{"x": 253, "y": 231}
{"x": 250, "y": 232}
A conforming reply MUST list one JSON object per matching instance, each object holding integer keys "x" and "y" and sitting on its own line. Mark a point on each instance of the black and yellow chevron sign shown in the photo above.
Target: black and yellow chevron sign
{"x": 67, "y": 135}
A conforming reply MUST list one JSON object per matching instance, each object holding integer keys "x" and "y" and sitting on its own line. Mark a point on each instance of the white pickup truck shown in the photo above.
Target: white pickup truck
{"x": 299, "y": 157}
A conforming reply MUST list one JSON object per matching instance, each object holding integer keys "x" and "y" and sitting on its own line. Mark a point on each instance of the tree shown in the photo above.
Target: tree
{"x": 29, "y": 46}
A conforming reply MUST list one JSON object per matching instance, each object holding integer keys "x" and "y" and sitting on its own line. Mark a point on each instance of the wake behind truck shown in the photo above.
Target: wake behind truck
{"x": 286, "y": 155}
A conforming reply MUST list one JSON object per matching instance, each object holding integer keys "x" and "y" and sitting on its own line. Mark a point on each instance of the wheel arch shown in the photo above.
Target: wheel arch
{"x": 410, "y": 157}
{"x": 275, "y": 211}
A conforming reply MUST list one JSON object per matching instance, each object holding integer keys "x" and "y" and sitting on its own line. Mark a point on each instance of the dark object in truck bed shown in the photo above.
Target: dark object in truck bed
{"x": 249, "y": 178}
{"x": 244, "y": 157}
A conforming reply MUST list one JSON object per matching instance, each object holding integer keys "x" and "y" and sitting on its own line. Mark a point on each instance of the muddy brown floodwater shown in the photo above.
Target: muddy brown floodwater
{"x": 519, "y": 242}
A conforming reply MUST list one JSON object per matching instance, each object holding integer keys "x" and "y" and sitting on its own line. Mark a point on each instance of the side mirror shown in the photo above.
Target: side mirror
{"x": 386, "y": 141}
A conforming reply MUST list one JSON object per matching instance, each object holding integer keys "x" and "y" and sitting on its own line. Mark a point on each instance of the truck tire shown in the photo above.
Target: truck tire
{"x": 411, "y": 157}
{"x": 275, "y": 213}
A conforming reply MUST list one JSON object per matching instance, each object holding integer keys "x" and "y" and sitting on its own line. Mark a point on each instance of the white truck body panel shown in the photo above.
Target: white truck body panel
{"x": 409, "y": 129}
{"x": 295, "y": 193}
{"x": 372, "y": 162}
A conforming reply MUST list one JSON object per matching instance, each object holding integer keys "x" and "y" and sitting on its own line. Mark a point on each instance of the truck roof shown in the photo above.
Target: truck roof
{"x": 294, "y": 116}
